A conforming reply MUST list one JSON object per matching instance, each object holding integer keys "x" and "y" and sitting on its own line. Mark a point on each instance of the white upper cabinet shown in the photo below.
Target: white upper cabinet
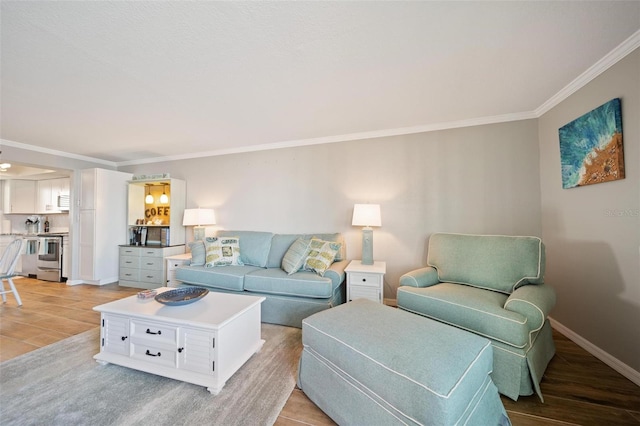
{"x": 19, "y": 196}
{"x": 48, "y": 192}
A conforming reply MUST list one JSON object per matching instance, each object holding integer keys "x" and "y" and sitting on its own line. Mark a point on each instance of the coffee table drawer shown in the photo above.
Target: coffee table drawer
{"x": 154, "y": 355}
{"x": 156, "y": 334}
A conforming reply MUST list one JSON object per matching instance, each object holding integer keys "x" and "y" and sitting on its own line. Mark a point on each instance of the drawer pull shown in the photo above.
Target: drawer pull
{"x": 149, "y": 276}
{"x": 149, "y": 263}
{"x": 124, "y": 338}
{"x": 128, "y": 261}
{"x": 151, "y": 332}
{"x": 180, "y": 350}
{"x": 364, "y": 280}
{"x": 150, "y": 354}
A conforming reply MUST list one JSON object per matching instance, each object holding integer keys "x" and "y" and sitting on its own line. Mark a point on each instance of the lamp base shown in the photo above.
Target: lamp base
{"x": 198, "y": 233}
{"x": 367, "y": 246}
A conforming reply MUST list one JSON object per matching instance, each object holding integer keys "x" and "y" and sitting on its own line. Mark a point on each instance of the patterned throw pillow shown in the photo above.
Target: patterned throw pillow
{"x": 198, "y": 253}
{"x": 321, "y": 255}
{"x": 222, "y": 251}
{"x": 295, "y": 256}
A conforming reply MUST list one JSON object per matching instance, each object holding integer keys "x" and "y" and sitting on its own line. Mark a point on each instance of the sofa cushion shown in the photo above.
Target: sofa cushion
{"x": 277, "y": 281}
{"x": 494, "y": 262}
{"x": 470, "y": 308}
{"x": 280, "y": 243}
{"x": 335, "y": 237}
{"x": 222, "y": 251}
{"x": 254, "y": 246}
{"x": 229, "y": 277}
{"x": 321, "y": 255}
{"x": 295, "y": 256}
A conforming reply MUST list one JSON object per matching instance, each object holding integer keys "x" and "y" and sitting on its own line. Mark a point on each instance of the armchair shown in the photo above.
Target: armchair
{"x": 492, "y": 286}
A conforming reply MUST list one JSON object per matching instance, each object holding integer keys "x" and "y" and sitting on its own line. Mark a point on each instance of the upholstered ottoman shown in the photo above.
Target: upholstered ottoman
{"x": 364, "y": 363}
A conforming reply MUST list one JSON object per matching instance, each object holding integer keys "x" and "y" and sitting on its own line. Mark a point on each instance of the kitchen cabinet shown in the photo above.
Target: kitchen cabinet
{"x": 48, "y": 192}
{"x": 19, "y": 196}
{"x": 102, "y": 222}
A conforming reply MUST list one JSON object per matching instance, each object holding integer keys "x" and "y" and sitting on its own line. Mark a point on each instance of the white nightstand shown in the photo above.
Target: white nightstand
{"x": 365, "y": 281}
{"x": 174, "y": 262}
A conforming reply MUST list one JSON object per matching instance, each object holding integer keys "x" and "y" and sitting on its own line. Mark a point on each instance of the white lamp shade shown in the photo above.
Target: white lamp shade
{"x": 198, "y": 217}
{"x": 366, "y": 215}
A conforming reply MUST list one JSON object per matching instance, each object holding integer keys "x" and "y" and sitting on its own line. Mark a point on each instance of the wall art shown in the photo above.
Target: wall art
{"x": 591, "y": 148}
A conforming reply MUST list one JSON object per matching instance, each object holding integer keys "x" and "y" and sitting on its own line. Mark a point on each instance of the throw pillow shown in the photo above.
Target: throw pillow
{"x": 198, "y": 253}
{"x": 222, "y": 251}
{"x": 321, "y": 255}
{"x": 295, "y": 256}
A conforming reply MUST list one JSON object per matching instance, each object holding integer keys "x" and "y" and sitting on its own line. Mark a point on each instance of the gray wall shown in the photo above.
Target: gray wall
{"x": 592, "y": 233}
{"x": 479, "y": 180}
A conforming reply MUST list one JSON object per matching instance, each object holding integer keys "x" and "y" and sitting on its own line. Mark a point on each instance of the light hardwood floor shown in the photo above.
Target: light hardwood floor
{"x": 578, "y": 388}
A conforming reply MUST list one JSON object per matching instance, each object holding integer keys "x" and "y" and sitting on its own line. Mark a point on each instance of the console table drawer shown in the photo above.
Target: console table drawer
{"x": 156, "y": 334}
{"x": 130, "y": 262}
{"x": 152, "y": 277}
{"x": 154, "y": 355}
{"x": 151, "y": 252}
{"x": 154, "y": 263}
{"x": 129, "y": 274}
{"x": 130, "y": 251}
{"x": 364, "y": 279}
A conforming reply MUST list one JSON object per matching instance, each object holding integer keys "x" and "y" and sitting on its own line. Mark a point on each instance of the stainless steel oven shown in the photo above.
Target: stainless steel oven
{"x": 49, "y": 263}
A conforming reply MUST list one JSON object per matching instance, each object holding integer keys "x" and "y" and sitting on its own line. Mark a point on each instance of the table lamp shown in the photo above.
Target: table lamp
{"x": 197, "y": 218}
{"x": 367, "y": 215}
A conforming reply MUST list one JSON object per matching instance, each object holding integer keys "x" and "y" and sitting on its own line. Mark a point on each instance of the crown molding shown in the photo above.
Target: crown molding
{"x": 341, "y": 138}
{"x": 42, "y": 150}
{"x": 625, "y": 48}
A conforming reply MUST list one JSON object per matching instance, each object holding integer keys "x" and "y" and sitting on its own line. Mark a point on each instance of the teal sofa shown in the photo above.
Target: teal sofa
{"x": 492, "y": 286}
{"x": 288, "y": 298}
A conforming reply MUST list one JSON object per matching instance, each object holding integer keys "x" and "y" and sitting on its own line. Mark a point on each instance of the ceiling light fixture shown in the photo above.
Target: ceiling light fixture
{"x": 149, "y": 198}
{"x": 4, "y": 167}
{"x": 164, "y": 198}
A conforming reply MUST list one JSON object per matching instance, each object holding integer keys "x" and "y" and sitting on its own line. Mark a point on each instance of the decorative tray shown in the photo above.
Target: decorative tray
{"x": 181, "y": 296}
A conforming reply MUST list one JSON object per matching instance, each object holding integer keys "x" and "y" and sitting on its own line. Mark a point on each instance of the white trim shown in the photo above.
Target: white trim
{"x": 603, "y": 356}
{"x": 49, "y": 151}
{"x": 479, "y": 121}
{"x": 613, "y": 57}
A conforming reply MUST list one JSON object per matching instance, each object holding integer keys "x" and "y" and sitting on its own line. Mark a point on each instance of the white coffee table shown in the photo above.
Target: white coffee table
{"x": 204, "y": 342}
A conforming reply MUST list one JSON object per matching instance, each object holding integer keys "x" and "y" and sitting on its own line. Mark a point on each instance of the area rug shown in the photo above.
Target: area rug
{"x": 62, "y": 384}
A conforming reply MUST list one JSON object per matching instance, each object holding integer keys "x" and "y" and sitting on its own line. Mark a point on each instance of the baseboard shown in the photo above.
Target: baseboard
{"x": 74, "y": 282}
{"x": 603, "y": 356}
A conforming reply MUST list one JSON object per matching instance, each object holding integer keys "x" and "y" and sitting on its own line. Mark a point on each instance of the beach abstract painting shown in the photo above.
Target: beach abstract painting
{"x": 591, "y": 147}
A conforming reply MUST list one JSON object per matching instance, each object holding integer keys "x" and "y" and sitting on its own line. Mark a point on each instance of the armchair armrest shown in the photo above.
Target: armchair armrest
{"x": 423, "y": 277}
{"x": 534, "y": 302}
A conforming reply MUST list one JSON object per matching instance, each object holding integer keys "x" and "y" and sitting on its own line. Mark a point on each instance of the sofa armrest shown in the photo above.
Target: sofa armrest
{"x": 336, "y": 271}
{"x": 534, "y": 301}
{"x": 423, "y": 277}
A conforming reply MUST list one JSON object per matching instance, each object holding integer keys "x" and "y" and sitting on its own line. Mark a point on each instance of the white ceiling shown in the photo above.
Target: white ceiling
{"x": 131, "y": 81}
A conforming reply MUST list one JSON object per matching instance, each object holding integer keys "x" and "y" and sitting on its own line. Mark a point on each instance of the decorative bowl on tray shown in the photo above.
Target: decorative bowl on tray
{"x": 181, "y": 296}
